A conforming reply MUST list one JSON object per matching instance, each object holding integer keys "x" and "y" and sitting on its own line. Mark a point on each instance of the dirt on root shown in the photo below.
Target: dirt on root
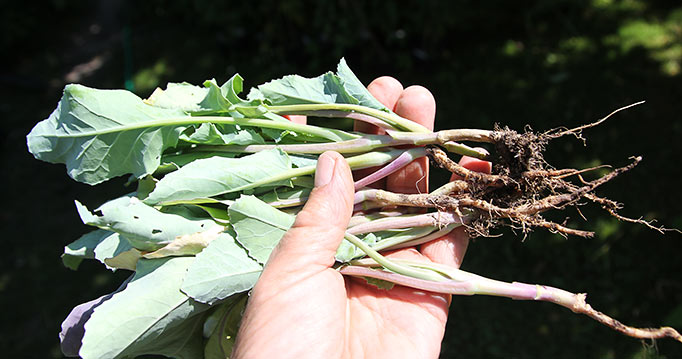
{"x": 522, "y": 186}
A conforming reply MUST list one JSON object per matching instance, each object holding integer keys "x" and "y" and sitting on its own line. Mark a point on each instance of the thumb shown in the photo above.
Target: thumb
{"x": 319, "y": 227}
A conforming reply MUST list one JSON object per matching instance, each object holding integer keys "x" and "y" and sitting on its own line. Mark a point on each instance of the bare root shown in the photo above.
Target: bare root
{"x": 519, "y": 291}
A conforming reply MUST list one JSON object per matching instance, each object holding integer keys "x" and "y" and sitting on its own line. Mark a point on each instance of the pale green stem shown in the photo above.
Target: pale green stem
{"x": 359, "y": 145}
{"x": 365, "y": 144}
{"x": 417, "y": 240}
{"x": 391, "y": 266}
{"x": 390, "y": 118}
{"x": 327, "y": 133}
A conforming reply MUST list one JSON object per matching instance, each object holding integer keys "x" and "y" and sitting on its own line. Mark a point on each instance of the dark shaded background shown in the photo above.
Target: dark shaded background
{"x": 542, "y": 63}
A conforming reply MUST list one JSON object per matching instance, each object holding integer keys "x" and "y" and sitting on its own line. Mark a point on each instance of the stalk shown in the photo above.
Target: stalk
{"x": 426, "y": 275}
{"x": 365, "y": 218}
{"x": 443, "y": 136}
{"x": 351, "y": 115}
{"x": 359, "y": 145}
{"x": 364, "y": 144}
{"x": 403, "y": 160}
{"x": 391, "y": 245}
{"x": 388, "y": 117}
{"x": 515, "y": 290}
{"x": 435, "y": 219}
{"x": 327, "y": 133}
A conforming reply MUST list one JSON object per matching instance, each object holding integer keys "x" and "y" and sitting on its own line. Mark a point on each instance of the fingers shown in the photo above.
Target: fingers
{"x": 450, "y": 249}
{"x": 312, "y": 241}
{"x": 297, "y": 119}
{"x": 417, "y": 104}
{"x": 387, "y": 90}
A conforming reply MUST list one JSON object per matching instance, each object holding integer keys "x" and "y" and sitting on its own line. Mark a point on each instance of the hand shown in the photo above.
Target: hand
{"x": 302, "y": 308}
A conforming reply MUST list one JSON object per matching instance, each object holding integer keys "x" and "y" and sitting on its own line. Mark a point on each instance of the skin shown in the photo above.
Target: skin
{"x": 302, "y": 308}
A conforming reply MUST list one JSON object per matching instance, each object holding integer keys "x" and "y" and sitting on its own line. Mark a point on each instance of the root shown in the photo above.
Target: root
{"x": 578, "y": 130}
{"x": 643, "y": 333}
{"x": 520, "y": 199}
{"x": 522, "y": 186}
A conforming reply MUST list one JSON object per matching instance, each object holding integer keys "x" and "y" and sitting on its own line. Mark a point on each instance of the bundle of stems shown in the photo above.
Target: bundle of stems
{"x": 219, "y": 180}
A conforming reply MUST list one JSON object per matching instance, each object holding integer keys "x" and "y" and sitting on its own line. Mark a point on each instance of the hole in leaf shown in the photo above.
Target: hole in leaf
{"x": 136, "y": 217}
{"x": 156, "y": 231}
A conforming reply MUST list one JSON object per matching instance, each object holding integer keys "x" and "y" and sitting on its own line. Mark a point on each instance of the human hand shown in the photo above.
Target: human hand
{"x": 302, "y": 308}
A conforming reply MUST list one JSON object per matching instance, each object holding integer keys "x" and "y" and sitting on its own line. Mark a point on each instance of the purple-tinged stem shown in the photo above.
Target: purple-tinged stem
{"x": 514, "y": 290}
{"x": 435, "y": 219}
{"x": 403, "y": 160}
{"x": 360, "y": 219}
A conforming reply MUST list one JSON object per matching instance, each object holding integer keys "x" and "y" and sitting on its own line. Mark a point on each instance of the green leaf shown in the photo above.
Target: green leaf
{"x": 172, "y": 162}
{"x": 224, "y": 334}
{"x": 356, "y": 89}
{"x": 189, "y": 244}
{"x": 145, "y": 186}
{"x": 215, "y": 100}
{"x": 108, "y": 247}
{"x": 218, "y": 175}
{"x": 219, "y": 214}
{"x": 83, "y": 248}
{"x": 150, "y": 316}
{"x": 381, "y": 240}
{"x": 259, "y": 226}
{"x": 286, "y": 197}
{"x": 182, "y": 96}
{"x": 101, "y": 134}
{"x": 380, "y": 283}
{"x": 210, "y": 134}
{"x": 348, "y": 251}
{"x": 219, "y": 271}
{"x": 221, "y": 99}
{"x": 116, "y": 252}
{"x": 300, "y": 160}
{"x": 145, "y": 227}
{"x": 232, "y": 88}
{"x": 296, "y": 90}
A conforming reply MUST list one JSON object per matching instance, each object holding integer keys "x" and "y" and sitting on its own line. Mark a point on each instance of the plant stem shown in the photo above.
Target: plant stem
{"x": 391, "y": 245}
{"x": 363, "y": 144}
{"x": 474, "y": 284}
{"x": 351, "y": 115}
{"x": 426, "y": 275}
{"x": 435, "y": 219}
{"x": 327, "y": 133}
{"x": 390, "y": 118}
{"x": 403, "y": 160}
{"x": 359, "y": 145}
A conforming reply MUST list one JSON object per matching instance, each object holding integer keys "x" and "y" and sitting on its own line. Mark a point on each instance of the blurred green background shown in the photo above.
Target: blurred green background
{"x": 539, "y": 63}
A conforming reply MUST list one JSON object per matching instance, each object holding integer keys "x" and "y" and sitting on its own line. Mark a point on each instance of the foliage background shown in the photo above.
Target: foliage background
{"x": 543, "y": 63}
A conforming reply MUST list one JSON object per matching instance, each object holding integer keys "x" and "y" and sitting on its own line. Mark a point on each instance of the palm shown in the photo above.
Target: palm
{"x": 346, "y": 317}
{"x": 396, "y": 322}
{"x": 302, "y": 308}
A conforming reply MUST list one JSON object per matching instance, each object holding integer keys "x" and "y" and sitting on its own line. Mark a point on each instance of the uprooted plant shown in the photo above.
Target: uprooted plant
{"x": 219, "y": 181}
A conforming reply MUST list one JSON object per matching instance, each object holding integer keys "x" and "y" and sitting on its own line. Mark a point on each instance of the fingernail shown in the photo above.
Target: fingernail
{"x": 324, "y": 170}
